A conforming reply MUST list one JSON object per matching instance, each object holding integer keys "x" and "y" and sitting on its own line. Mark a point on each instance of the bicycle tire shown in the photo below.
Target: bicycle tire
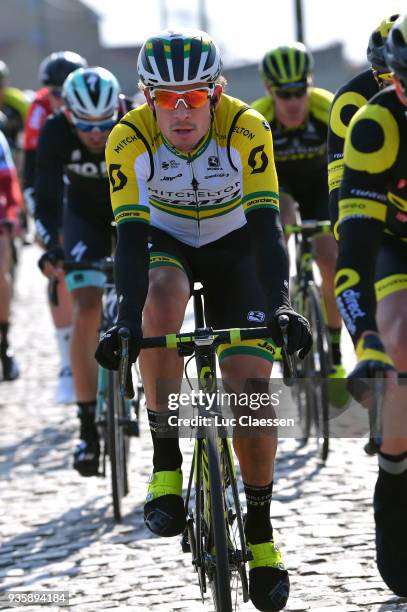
{"x": 302, "y": 390}
{"x": 115, "y": 445}
{"x": 240, "y": 547}
{"x": 320, "y": 354}
{"x": 220, "y": 578}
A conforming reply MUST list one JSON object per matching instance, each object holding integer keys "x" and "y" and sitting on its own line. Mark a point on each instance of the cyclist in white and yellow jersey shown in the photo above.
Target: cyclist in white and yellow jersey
{"x": 192, "y": 173}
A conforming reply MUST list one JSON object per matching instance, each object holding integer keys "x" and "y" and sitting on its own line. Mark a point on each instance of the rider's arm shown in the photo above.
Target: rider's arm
{"x": 129, "y": 169}
{"x": 10, "y": 193}
{"x": 347, "y": 101}
{"x": 362, "y": 214}
{"x": 36, "y": 117}
{"x": 48, "y": 183}
{"x": 260, "y": 203}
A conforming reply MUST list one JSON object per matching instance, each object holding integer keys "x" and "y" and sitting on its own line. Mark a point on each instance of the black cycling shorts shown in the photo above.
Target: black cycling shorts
{"x": 227, "y": 271}
{"x": 311, "y": 195}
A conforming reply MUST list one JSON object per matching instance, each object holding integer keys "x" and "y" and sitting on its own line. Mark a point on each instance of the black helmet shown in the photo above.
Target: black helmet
{"x": 375, "y": 48}
{"x": 396, "y": 49}
{"x": 55, "y": 67}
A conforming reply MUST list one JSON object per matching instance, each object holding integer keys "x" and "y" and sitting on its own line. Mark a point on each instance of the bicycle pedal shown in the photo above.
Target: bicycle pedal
{"x": 185, "y": 544}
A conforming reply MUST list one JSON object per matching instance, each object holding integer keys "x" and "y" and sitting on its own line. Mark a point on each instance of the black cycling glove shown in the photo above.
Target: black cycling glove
{"x": 299, "y": 336}
{"x": 108, "y": 352}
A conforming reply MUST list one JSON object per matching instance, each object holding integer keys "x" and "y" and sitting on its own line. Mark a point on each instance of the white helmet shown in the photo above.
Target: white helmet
{"x": 179, "y": 58}
{"x": 91, "y": 92}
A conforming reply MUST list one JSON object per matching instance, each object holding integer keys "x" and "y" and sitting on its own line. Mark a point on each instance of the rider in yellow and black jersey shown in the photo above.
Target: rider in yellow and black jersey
{"x": 199, "y": 196}
{"x": 300, "y": 152}
{"x": 195, "y": 196}
{"x": 371, "y": 287}
{"x": 348, "y": 99}
{"x": 298, "y": 114}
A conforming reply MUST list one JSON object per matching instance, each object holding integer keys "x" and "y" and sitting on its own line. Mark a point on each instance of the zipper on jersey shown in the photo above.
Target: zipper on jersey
{"x": 195, "y": 186}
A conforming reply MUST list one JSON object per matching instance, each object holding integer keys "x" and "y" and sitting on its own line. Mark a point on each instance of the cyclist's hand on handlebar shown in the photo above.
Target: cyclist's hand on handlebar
{"x": 372, "y": 361}
{"x": 108, "y": 352}
{"x": 299, "y": 336}
{"x": 50, "y": 262}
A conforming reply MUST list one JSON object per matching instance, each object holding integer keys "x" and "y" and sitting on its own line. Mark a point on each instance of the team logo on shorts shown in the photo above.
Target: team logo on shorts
{"x": 256, "y": 315}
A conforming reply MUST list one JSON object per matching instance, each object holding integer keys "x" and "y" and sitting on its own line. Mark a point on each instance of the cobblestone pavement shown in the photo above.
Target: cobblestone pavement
{"x": 57, "y": 532}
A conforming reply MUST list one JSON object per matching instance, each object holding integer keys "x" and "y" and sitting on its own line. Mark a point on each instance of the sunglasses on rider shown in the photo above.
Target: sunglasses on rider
{"x": 169, "y": 99}
{"x": 89, "y": 126}
{"x": 286, "y": 94}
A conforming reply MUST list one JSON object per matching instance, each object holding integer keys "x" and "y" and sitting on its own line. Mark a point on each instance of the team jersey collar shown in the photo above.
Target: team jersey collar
{"x": 199, "y": 149}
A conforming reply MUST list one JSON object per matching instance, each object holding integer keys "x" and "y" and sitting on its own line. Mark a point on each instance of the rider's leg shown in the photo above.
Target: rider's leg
{"x": 161, "y": 371}
{"x": 325, "y": 253}
{"x": 62, "y": 319}
{"x": 86, "y": 321}
{"x": 9, "y": 365}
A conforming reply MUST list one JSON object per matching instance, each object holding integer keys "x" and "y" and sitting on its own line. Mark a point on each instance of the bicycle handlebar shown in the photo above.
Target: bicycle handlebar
{"x": 309, "y": 228}
{"x": 125, "y": 377}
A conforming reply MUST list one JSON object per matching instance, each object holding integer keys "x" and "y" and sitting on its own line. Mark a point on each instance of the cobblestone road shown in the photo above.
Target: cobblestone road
{"x": 57, "y": 532}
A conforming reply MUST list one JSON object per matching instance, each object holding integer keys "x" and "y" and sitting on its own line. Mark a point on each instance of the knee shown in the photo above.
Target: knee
{"x": 87, "y": 305}
{"x": 164, "y": 309}
{"x": 395, "y": 341}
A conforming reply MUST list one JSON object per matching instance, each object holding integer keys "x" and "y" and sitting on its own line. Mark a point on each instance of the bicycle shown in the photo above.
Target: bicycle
{"x": 116, "y": 417}
{"x": 215, "y": 528}
{"x": 312, "y": 373}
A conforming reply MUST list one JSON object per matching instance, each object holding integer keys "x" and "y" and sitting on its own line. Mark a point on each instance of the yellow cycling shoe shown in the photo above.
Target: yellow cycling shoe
{"x": 164, "y": 512}
{"x": 269, "y": 585}
{"x": 337, "y": 388}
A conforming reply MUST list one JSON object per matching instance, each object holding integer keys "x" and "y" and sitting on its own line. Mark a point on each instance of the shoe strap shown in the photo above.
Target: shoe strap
{"x": 165, "y": 483}
{"x": 266, "y": 554}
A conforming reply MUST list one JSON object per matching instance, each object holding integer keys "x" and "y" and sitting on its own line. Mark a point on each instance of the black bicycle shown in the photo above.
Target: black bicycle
{"x": 116, "y": 417}
{"x": 312, "y": 373}
{"x": 214, "y": 515}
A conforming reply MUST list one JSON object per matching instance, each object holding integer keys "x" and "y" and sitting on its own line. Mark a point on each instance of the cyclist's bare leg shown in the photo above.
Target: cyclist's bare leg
{"x": 163, "y": 313}
{"x": 325, "y": 254}
{"x": 62, "y": 314}
{"x": 256, "y": 454}
{"x": 392, "y": 323}
{"x": 86, "y": 321}
{"x": 5, "y": 277}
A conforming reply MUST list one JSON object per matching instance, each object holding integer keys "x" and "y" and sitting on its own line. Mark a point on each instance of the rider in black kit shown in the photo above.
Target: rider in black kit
{"x": 71, "y": 168}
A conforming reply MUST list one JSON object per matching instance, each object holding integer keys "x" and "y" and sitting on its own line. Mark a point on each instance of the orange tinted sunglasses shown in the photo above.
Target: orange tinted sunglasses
{"x": 169, "y": 99}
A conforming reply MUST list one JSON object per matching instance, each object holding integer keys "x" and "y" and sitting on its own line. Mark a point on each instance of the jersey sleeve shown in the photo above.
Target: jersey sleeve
{"x": 36, "y": 117}
{"x": 129, "y": 164}
{"x": 345, "y": 104}
{"x": 252, "y": 150}
{"x": 49, "y": 183}
{"x": 371, "y": 149}
{"x": 251, "y": 147}
{"x": 10, "y": 193}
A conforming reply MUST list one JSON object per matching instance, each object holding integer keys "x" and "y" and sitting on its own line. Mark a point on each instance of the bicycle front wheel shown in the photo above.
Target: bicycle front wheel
{"x": 117, "y": 444}
{"x": 318, "y": 366}
{"x": 219, "y": 573}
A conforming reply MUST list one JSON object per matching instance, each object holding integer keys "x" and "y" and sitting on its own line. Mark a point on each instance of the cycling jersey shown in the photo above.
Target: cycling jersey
{"x": 372, "y": 206}
{"x": 66, "y": 168}
{"x": 300, "y": 154}
{"x": 37, "y": 114}
{"x": 12, "y": 115}
{"x": 10, "y": 195}
{"x": 198, "y": 197}
{"x": 348, "y": 99}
